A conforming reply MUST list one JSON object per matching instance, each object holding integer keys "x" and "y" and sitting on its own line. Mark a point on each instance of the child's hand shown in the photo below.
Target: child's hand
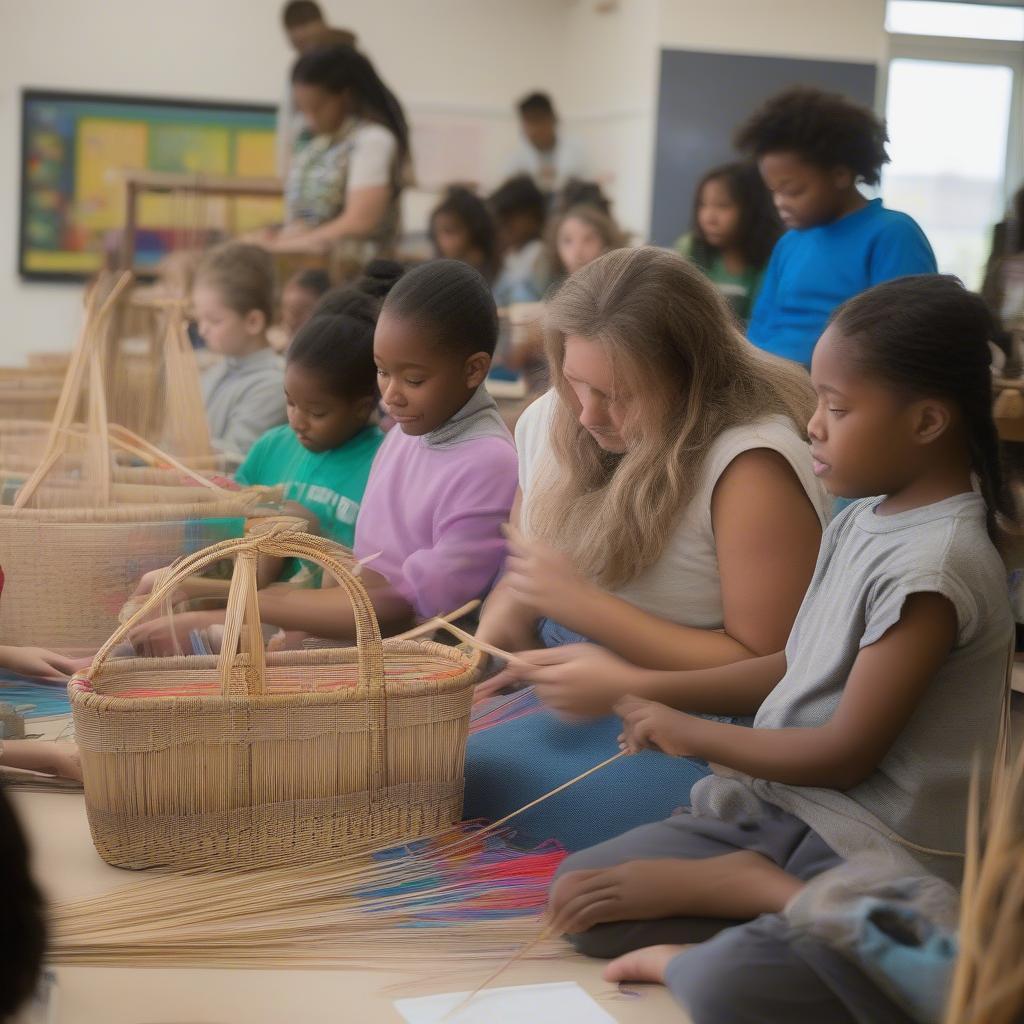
{"x": 150, "y": 581}
{"x": 647, "y": 725}
{"x": 36, "y": 662}
{"x": 169, "y": 635}
{"x": 578, "y": 679}
{"x": 541, "y": 578}
{"x": 639, "y": 890}
{"x": 45, "y": 757}
{"x": 60, "y": 759}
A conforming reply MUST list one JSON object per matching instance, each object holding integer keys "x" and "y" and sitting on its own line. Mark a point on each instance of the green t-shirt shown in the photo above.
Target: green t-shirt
{"x": 740, "y": 290}
{"x": 330, "y": 484}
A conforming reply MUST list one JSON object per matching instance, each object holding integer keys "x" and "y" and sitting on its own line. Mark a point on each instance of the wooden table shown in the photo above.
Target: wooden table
{"x": 139, "y": 182}
{"x": 67, "y": 867}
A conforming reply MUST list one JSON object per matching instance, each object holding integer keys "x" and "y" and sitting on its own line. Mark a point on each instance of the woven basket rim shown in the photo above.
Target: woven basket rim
{"x": 132, "y": 513}
{"x": 87, "y": 696}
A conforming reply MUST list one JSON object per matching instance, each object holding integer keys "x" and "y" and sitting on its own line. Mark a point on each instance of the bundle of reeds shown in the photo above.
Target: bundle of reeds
{"x": 988, "y": 981}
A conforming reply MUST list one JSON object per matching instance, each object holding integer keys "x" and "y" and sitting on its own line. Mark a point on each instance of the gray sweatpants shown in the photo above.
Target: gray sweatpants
{"x": 764, "y": 971}
{"x": 779, "y": 836}
{"x": 755, "y": 972}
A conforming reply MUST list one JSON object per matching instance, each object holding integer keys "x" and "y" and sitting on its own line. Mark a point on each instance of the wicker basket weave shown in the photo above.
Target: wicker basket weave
{"x": 77, "y": 533}
{"x": 254, "y": 759}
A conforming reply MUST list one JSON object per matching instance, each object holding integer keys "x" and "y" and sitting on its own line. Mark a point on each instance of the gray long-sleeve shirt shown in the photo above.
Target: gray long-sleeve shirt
{"x": 244, "y": 398}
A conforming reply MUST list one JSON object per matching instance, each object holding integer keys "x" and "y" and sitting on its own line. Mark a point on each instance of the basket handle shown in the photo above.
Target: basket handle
{"x": 242, "y": 628}
{"x": 128, "y": 441}
{"x": 85, "y": 359}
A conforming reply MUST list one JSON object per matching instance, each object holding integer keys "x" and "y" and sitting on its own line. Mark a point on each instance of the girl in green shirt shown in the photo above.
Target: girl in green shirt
{"x": 324, "y": 453}
{"x": 735, "y": 228}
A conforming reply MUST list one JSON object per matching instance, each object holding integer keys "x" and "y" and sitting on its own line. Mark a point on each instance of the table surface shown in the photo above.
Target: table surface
{"x": 67, "y": 867}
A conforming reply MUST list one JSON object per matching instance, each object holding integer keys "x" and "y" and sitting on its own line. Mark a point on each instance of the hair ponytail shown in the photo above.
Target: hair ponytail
{"x": 339, "y": 67}
{"x": 928, "y": 335}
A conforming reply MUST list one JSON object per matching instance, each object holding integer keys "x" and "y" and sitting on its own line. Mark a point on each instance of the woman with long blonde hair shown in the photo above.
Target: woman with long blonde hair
{"x": 668, "y": 512}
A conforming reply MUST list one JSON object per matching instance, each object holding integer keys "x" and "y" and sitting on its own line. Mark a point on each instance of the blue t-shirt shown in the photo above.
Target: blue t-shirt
{"x": 814, "y": 270}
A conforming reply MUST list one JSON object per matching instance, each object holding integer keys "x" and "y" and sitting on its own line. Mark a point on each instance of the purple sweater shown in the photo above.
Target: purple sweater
{"x": 436, "y": 516}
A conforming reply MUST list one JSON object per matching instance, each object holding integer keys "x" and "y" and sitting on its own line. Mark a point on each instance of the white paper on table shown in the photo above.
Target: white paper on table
{"x": 555, "y": 1003}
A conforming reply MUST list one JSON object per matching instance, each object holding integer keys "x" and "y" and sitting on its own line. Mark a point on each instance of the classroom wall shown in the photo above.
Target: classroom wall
{"x": 194, "y": 49}
{"x": 458, "y": 65}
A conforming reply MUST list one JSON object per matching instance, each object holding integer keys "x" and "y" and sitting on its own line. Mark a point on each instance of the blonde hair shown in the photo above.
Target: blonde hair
{"x": 603, "y": 223}
{"x": 674, "y": 347}
{"x": 243, "y": 274}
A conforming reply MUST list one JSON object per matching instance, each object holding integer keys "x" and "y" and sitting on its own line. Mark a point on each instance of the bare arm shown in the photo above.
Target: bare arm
{"x": 884, "y": 687}
{"x": 767, "y": 536}
{"x": 327, "y": 612}
{"x": 324, "y": 612}
{"x": 582, "y": 679}
{"x": 505, "y": 621}
{"x": 43, "y": 756}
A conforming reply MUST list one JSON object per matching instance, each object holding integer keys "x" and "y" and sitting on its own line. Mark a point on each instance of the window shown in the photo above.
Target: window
{"x": 954, "y": 106}
{"x": 965, "y": 21}
{"x": 948, "y": 129}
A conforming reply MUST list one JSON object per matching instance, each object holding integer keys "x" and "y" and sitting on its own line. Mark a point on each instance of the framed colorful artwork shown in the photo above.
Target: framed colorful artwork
{"x": 78, "y": 148}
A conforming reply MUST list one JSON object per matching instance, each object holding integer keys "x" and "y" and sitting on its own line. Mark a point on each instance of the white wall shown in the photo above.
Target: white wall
{"x": 451, "y": 61}
{"x": 458, "y": 66}
{"x": 851, "y": 30}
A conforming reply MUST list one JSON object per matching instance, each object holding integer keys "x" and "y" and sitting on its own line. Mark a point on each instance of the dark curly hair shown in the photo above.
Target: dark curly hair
{"x": 823, "y": 128}
{"x": 759, "y": 227}
{"x": 336, "y": 342}
{"x": 467, "y": 207}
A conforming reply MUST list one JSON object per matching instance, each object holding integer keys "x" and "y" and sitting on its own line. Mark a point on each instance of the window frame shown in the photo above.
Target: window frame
{"x": 954, "y": 50}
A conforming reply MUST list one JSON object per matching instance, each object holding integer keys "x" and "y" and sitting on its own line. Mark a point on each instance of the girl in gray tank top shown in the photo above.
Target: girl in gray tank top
{"x": 894, "y": 676}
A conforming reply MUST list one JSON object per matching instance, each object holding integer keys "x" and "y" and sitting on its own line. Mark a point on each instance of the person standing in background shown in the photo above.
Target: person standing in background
{"x": 306, "y": 29}
{"x": 545, "y": 153}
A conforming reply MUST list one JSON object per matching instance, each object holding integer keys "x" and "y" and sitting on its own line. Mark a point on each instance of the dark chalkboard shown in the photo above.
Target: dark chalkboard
{"x": 702, "y": 97}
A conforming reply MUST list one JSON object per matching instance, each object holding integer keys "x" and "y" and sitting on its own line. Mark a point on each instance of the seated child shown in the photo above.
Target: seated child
{"x": 442, "y": 483}
{"x": 580, "y": 192}
{"x": 324, "y": 453}
{"x": 580, "y": 235}
{"x": 892, "y": 682}
{"x": 462, "y": 228}
{"x": 812, "y": 149}
{"x": 520, "y": 209}
{"x": 735, "y": 228}
{"x": 233, "y": 297}
{"x": 300, "y": 294}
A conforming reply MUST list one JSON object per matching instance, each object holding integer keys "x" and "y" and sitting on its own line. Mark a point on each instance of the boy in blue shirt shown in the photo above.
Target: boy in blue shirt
{"x": 812, "y": 148}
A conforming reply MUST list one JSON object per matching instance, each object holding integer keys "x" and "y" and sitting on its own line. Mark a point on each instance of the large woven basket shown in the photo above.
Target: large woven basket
{"x": 78, "y": 533}
{"x": 254, "y": 759}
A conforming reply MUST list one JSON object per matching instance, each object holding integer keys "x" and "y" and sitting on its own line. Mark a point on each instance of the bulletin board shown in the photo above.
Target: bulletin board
{"x": 74, "y": 146}
{"x": 702, "y": 99}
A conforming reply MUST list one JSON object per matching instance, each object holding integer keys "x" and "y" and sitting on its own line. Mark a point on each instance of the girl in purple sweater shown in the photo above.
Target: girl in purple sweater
{"x": 443, "y": 481}
{"x": 442, "y": 484}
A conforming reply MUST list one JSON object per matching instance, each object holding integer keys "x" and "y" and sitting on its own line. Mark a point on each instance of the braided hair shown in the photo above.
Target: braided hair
{"x": 927, "y": 335}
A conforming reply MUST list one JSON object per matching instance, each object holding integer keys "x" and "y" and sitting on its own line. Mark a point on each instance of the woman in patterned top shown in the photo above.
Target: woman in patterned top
{"x": 345, "y": 179}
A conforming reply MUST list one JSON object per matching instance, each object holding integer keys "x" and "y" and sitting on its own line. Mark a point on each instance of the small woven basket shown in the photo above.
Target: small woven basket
{"x": 251, "y": 758}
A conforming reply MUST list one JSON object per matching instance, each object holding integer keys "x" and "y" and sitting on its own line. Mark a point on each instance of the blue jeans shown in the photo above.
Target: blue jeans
{"x": 513, "y": 763}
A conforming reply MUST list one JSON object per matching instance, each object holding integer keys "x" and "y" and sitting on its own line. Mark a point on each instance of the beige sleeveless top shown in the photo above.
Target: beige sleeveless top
{"x": 683, "y": 586}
